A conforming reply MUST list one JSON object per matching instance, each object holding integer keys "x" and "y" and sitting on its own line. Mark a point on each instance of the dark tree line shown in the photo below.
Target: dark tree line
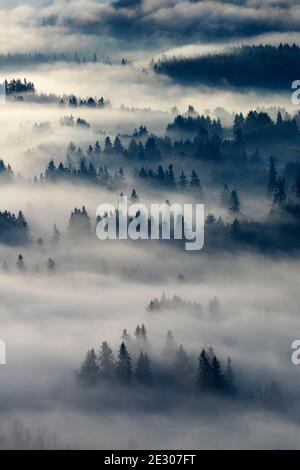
{"x": 14, "y": 87}
{"x": 14, "y": 230}
{"x": 23, "y": 90}
{"x": 166, "y": 179}
{"x": 238, "y": 67}
{"x": 135, "y": 368}
{"x": 84, "y": 173}
{"x": 6, "y": 172}
{"x": 69, "y": 121}
{"x": 174, "y": 303}
{"x": 189, "y": 125}
{"x": 258, "y": 127}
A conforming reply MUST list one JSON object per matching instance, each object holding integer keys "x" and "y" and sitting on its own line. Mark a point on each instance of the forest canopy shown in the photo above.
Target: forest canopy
{"x": 237, "y": 67}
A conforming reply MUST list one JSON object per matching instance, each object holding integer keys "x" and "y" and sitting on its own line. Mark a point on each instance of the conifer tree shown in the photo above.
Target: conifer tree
{"x": 170, "y": 347}
{"x": 204, "y": 373}
{"x": 170, "y": 178}
{"x": 296, "y": 187}
{"x": 137, "y": 332}
{"x": 133, "y": 150}
{"x": 217, "y": 377}
{"x": 234, "y": 202}
{"x": 143, "y": 333}
{"x": 195, "y": 184}
{"x": 143, "y": 373}
{"x": 124, "y": 366}
{"x": 183, "y": 182}
{"x": 272, "y": 178}
{"x": 230, "y": 378}
{"x": 89, "y": 371}
{"x": 106, "y": 362}
{"x": 183, "y": 368}
{"x": 280, "y": 193}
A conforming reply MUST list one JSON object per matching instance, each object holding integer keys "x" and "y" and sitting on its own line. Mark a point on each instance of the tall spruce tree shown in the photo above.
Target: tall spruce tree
{"x": 280, "y": 193}
{"x": 183, "y": 182}
{"x": 272, "y": 178}
{"x": 89, "y": 371}
{"x": 296, "y": 187}
{"x": 234, "y": 203}
{"x": 204, "y": 373}
{"x": 230, "y": 378}
{"x": 143, "y": 373}
{"x": 124, "y": 366}
{"x": 217, "y": 376}
{"x": 183, "y": 368}
{"x": 106, "y": 362}
{"x": 170, "y": 347}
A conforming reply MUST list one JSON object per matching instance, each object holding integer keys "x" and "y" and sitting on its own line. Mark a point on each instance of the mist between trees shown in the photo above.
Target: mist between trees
{"x": 172, "y": 371}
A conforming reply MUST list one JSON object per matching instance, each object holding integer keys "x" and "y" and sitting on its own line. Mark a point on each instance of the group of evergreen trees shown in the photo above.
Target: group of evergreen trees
{"x": 14, "y": 230}
{"x": 278, "y": 190}
{"x": 69, "y": 121}
{"x": 166, "y": 179}
{"x": 259, "y": 127}
{"x": 74, "y": 102}
{"x": 237, "y": 67}
{"x": 22, "y": 267}
{"x": 176, "y": 303}
{"x": 23, "y": 90}
{"x": 6, "y": 173}
{"x": 84, "y": 173}
{"x": 189, "y": 125}
{"x": 230, "y": 200}
{"x": 79, "y": 223}
{"x": 133, "y": 366}
{"x": 14, "y": 87}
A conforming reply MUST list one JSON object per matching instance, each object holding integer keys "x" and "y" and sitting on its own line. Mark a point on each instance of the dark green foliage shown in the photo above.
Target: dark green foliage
{"x": 280, "y": 193}
{"x": 143, "y": 373}
{"x": 14, "y": 230}
{"x": 183, "y": 368}
{"x": 230, "y": 385}
{"x": 79, "y": 223}
{"x": 296, "y": 187}
{"x": 183, "y": 182}
{"x": 89, "y": 371}
{"x": 124, "y": 366}
{"x": 234, "y": 203}
{"x": 237, "y": 67}
{"x": 204, "y": 373}
{"x": 217, "y": 378}
{"x": 106, "y": 362}
{"x": 18, "y": 86}
{"x": 272, "y": 178}
{"x": 178, "y": 372}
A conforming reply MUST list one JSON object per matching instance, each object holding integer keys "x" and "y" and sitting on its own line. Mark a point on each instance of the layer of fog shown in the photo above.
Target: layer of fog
{"x": 49, "y": 321}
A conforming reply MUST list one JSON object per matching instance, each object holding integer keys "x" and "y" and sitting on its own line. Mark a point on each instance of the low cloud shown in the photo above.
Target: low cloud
{"x": 163, "y": 22}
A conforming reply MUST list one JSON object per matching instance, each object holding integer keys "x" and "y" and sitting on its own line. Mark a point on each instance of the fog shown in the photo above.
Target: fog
{"x": 64, "y": 292}
{"x": 48, "y": 323}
